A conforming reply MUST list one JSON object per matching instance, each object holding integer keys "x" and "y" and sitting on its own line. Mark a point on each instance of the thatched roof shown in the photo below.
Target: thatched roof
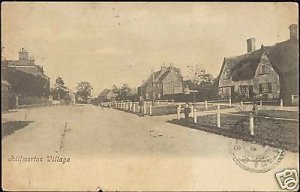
{"x": 104, "y": 93}
{"x": 283, "y": 56}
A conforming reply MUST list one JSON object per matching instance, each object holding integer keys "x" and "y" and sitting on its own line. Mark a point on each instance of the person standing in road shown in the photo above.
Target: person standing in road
{"x": 141, "y": 104}
{"x": 186, "y": 110}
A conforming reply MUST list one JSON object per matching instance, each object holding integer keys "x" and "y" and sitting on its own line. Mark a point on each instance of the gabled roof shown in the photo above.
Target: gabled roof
{"x": 159, "y": 76}
{"x": 283, "y": 57}
{"x": 104, "y": 93}
{"x": 243, "y": 67}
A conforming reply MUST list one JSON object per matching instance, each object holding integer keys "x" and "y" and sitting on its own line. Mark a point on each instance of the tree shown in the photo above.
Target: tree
{"x": 201, "y": 81}
{"x": 124, "y": 92}
{"x": 198, "y": 75}
{"x": 27, "y": 84}
{"x": 84, "y": 91}
{"x": 59, "y": 90}
{"x": 116, "y": 91}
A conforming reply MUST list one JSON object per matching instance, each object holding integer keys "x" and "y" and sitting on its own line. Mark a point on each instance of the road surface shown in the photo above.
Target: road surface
{"x": 114, "y": 150}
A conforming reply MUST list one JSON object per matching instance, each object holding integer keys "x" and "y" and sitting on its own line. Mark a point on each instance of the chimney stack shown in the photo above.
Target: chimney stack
{"x": 23, "y": 54}
{"x": 250, "y": 45}
{"x": 293, "y": 32}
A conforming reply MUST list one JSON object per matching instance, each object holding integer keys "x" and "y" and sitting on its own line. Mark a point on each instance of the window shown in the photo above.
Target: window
{"x": 269, "y": 87}
{"x": 243, "y": 89}
{"x": 260, "y": 88}
{"x": 226, "y": 74}
{"x": 265, "y": 88}
{"x": 225, "y": 91}
{"x": 264, "y": 69}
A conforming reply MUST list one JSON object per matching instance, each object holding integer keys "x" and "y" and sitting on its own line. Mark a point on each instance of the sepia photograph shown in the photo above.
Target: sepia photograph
{"x": 149, "y": 96}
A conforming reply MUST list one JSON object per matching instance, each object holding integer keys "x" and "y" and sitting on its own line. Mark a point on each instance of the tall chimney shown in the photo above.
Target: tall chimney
{"x": 250, "y": 45}
{"x": 293, "y": 32}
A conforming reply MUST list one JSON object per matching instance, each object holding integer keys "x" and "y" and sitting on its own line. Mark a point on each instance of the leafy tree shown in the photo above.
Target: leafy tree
{"x": 116, "y": 91}
{"x": 59, "y": 90}
{"x": 27, "y": 84}
{"x": 124, "y": 92}
{"x": 203, "y": 82}
{"x": 84, "y": 91}
{"x": 198, "y": 75}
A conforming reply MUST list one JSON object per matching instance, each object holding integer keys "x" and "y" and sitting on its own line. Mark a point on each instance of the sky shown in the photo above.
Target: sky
{"x": 117, "y": 43}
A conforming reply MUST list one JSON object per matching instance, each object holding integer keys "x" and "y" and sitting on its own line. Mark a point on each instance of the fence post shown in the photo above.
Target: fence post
{"x": 229, "y": 102}
{"x": 260, "y": 103}
{"x": 145, "y": 107}
{"x": 205, "y": 104}
{"x": 281, "y": 103}
{"x": 172, "y": 100}
{"x": 192, "y": 110}
{"x": 218, "y": 116}
{"x": 195, "y": 115}
{"x": 133, "y": 107}
{"x": 150, "y": 109}
{"x": 251, "y": 124}
{"x": 178, "y": 112}
{"x": 293, "y": 99}
{"x": 157, "y": 102}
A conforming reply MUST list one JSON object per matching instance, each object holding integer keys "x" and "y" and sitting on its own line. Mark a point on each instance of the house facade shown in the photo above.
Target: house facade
{"x": 4, "y": 95}
{"x": 166, "y": 81}
{"x": 270, "y": 72}
{"x": 106, "y": 95}
{"x": 25, "y": 64}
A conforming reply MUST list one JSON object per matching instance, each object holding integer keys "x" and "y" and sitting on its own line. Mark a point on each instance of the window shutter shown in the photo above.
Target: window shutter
{"x": 260, "y": 88}
{"x": 269, "y": 87}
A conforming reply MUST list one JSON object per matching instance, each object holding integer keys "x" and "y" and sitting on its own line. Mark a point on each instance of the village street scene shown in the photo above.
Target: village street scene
{"x": 99, "y": 104}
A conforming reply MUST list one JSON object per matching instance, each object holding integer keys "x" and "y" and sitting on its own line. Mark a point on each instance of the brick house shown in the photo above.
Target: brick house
{"x": 166, "y": 81}
{"x": 270, "y": 72}
{"x": 25, "y": 64}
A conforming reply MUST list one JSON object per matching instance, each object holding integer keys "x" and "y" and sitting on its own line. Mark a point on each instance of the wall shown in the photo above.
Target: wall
{"x": 272, "y": 77}
{"x": 172, "y": 83}
{"x": 225, "y": 82}
{"x": 4, "y": 97}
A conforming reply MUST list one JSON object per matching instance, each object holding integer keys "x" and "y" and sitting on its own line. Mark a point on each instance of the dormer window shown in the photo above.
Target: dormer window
{"x": 264, "y": 69}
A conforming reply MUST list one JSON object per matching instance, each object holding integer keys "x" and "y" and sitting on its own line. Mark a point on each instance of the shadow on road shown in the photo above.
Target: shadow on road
{"x": 10, "y": 127}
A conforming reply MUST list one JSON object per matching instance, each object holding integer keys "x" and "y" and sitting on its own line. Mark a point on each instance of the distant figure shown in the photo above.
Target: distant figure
{"x": 254, "y": 109}
{"x": 254, "y": 112}
{"x": 141, "y": 104}
{"x": 186, "y": 110}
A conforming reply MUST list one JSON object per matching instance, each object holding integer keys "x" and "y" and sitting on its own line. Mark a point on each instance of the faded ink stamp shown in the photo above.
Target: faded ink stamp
{"x": 254, "y": 157}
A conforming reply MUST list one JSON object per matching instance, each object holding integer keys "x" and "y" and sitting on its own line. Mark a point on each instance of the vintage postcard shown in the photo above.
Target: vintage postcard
{"x": 128, "y": 96}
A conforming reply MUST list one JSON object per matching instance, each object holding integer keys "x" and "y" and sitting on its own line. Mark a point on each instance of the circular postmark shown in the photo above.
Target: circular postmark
{"x": 255, "y": 157}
